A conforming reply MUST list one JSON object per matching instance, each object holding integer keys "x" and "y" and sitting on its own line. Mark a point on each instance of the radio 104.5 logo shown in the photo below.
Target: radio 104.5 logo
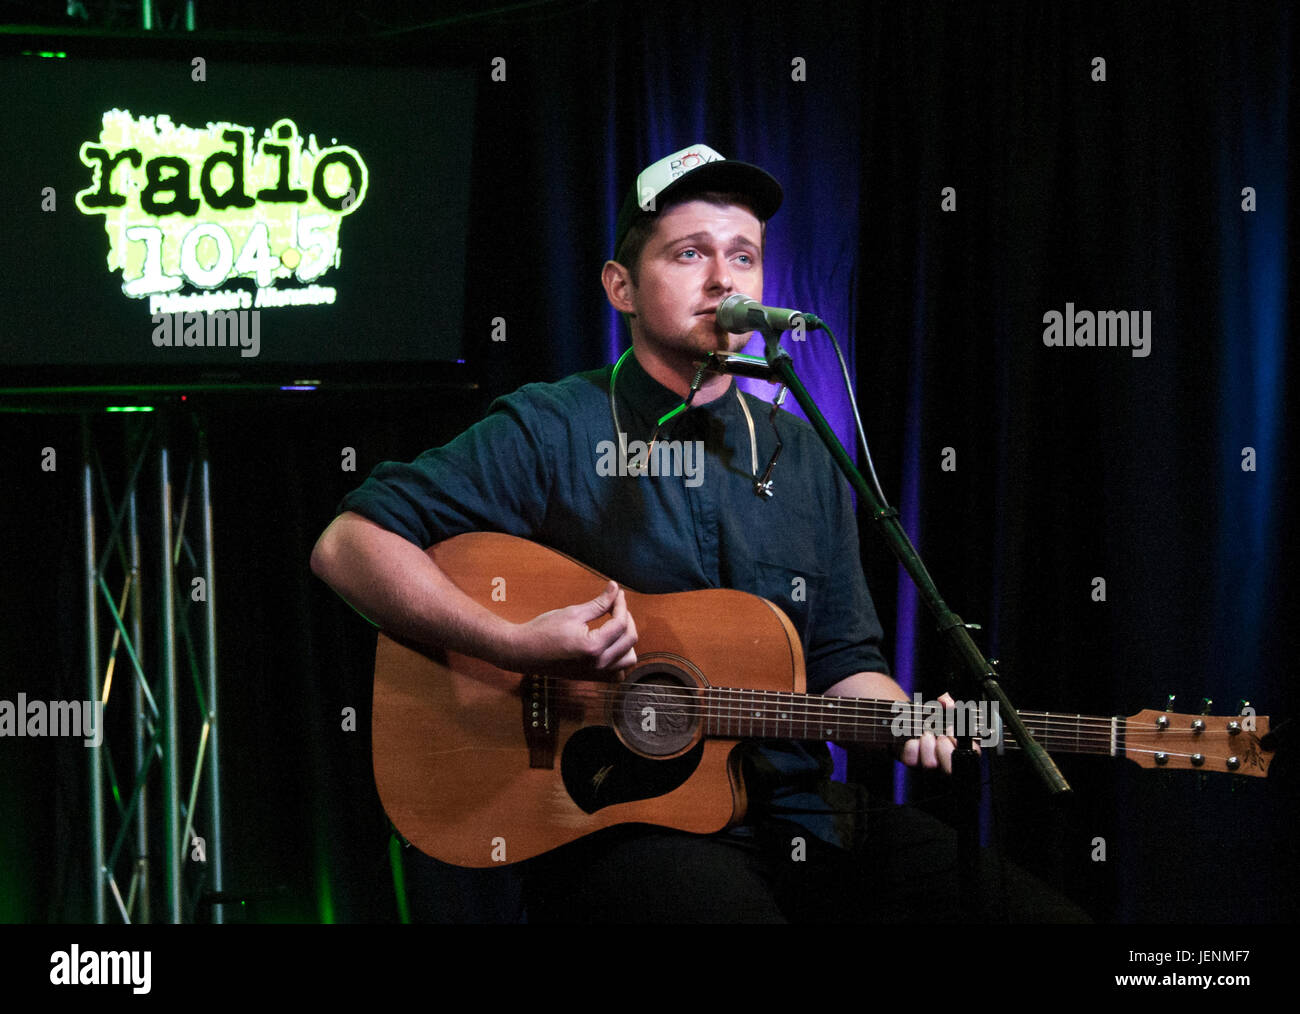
{"x": 206, "y": 206}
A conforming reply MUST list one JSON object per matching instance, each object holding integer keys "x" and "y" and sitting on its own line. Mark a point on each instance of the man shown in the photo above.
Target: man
{"x": 691, "y": 234}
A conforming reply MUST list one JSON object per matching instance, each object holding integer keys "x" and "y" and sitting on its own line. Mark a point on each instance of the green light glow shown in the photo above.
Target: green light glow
{"x": 128, "y": 408}
{"x": 399, "y": 879}
{"x": 324, "y": 893}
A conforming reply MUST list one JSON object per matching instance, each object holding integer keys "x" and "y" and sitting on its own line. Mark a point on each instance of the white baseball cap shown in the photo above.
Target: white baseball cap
{"x": 692, "y": 170}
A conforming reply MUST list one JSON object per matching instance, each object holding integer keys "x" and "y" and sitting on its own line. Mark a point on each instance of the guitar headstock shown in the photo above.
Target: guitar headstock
{"x": 1206, "y": 743}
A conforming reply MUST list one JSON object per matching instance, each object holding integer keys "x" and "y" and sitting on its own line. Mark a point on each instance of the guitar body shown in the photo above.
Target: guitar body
{"x": 478, "y": 767}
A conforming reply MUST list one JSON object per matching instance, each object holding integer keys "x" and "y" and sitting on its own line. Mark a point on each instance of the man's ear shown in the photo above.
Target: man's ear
{"x": 619, "y": 289}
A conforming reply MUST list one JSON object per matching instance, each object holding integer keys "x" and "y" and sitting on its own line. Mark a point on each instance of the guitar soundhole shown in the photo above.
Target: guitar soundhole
{"x": 657, "y": 711}
{"x": 599, "y": 771}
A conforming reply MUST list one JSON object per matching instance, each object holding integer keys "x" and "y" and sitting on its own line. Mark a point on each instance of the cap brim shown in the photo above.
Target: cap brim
{"x": 738, "y": 177}
{"x": 757, "y": 185}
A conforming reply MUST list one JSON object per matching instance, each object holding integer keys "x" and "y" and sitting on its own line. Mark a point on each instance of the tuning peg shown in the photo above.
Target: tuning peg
{"x": 1205, "y": 705}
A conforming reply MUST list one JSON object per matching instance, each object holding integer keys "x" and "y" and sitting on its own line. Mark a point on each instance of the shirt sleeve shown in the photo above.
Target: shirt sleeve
{"x": 846, "y": 636}
{"x": 495, "y": 476}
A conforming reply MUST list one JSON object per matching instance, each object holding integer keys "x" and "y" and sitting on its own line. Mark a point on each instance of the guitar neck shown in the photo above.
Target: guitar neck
{"x": 1226, "y": 744}
{"x": 734, "y": 713}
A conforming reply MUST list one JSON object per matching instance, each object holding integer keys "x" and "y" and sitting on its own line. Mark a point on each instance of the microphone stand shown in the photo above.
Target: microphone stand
{"x": 977, "y": 670}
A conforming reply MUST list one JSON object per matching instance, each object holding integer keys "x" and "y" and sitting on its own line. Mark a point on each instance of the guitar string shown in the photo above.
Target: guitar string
{"x": 1057, "y": 741}
{"x": 845, "y": 719}
{"x": 1051, "y": 740}
{"x": 1066, "y": 729}
{"x": 847, "y": 711}
{"x": 806, "y": 700}
{"x": 700, "y": 700}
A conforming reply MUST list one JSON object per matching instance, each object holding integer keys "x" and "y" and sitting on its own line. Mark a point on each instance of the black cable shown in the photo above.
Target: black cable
{"x": 857, "y": 418}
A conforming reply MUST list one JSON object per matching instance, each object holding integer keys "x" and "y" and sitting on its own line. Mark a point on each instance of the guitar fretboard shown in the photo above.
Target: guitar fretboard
{"x": 734, "y": 713}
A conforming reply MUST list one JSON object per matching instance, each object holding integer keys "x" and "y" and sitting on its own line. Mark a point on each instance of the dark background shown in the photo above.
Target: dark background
{"x": 1071, "y": 463}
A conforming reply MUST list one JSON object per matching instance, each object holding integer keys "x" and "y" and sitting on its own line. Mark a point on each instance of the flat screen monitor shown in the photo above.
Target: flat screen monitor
{"x": 190, "y": 210}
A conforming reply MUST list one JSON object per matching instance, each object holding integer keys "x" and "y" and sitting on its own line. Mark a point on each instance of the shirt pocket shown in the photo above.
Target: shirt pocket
{"x": 795, "y": 590}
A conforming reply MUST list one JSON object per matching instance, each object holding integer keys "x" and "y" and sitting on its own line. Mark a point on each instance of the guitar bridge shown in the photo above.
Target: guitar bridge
{"x": 539, "y": 731}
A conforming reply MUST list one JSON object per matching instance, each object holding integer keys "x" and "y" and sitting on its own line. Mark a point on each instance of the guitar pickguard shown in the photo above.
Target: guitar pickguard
{"x": 599, "y": 771}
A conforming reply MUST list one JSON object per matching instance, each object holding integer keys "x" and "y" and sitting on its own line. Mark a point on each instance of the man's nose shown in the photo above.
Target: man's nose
{"x": 720, "y": 273}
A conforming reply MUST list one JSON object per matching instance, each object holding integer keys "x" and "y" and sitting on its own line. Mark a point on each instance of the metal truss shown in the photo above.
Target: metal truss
{"x": 134, "y": 784}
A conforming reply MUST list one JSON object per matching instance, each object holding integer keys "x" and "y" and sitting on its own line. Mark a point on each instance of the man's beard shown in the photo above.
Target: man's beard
{"x": 708, "y": 337}
{"x": 703, "y": 337}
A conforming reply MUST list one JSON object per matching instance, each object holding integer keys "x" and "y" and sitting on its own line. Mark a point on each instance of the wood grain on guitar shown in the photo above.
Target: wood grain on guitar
{"x": 478, "y": 767}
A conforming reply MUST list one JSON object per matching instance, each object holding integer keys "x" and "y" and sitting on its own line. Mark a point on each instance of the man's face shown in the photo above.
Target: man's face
{"x": 699, "y": 254}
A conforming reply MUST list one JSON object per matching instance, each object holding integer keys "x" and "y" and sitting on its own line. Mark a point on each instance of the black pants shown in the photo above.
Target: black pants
{"x": 905, "y": 872}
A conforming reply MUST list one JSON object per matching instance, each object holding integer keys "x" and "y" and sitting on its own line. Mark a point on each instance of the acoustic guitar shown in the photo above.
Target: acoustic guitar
{"x": 478, "y": 767}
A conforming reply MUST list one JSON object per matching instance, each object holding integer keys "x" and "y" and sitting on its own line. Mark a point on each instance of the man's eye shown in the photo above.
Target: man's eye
{"x": 688, "y": 251}
{"x": 748, "y": 260}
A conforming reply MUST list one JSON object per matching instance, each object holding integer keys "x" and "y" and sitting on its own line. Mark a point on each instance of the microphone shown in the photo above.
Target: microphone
{"x": 739, "y": 314}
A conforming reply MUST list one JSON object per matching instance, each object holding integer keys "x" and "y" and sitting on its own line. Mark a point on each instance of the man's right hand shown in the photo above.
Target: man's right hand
{"x": 399, "y": 588}
{"x": 563, "y": 637}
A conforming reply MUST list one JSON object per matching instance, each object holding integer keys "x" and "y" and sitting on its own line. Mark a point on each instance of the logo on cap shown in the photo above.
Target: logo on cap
{"x": 690, "y": 160}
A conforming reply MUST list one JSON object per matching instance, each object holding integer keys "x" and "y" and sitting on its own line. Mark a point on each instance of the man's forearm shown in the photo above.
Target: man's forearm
{"x": 395, "y": 585}
{"x": 875, "y": 685}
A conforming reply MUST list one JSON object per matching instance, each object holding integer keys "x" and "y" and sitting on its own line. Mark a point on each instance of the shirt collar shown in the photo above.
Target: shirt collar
{"x": 646, "y": 396}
